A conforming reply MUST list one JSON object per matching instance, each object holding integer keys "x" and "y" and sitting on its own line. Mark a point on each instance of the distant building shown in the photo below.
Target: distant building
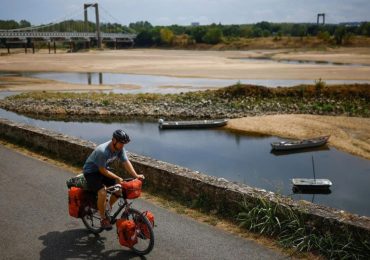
{"x": 195, "y": 24}
{"x": 351, "y": 24}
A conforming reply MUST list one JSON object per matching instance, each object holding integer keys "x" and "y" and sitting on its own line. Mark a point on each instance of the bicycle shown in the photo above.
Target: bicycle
{"x": 143, "y": 227}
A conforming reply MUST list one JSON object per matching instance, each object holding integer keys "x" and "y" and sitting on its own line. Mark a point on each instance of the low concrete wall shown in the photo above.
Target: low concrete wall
{"x": 210, "y": 192}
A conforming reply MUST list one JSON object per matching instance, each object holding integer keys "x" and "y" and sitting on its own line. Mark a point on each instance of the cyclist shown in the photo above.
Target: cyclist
{"x": 98, "y": 176}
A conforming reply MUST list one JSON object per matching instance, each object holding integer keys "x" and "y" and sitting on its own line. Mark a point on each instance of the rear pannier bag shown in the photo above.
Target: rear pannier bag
{"x": 126, "y": 230}
{"x": 76, "y": 198}
{"x": 144, "y": 228}
{"x": 132, "y": 189}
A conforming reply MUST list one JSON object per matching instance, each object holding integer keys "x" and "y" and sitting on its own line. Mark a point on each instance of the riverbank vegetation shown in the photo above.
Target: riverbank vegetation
{"x": 293, "y": 230}
{"x": 235, "y": 101}
{"x": 218, "y": 36}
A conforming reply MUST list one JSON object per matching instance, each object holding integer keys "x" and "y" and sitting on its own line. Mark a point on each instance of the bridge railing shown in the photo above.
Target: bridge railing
{"x": 13, "y": 34}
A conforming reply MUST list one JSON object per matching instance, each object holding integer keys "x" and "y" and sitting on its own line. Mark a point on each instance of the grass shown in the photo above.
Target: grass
{"x": 294, "y": 230}
{"x": 234, "y": 101}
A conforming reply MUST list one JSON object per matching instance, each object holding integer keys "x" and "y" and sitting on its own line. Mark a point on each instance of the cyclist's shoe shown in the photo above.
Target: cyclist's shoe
{"x": 105, "y": 224}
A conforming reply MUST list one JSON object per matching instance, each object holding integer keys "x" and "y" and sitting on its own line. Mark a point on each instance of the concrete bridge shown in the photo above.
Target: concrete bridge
{"x": 27, "y": 37}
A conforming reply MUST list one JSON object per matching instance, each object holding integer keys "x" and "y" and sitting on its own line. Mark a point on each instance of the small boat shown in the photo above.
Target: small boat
{"x": 191, "y": 124}
{"x": 305, "y": 143}
{"x": 311, "y": 183}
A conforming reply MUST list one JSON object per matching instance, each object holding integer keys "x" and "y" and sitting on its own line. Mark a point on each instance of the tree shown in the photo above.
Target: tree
{"x": 339, "y": 34}
{"x": 197, "y": 33}
{"x": 24, "y": 24}
{"x": 213, "y": 36}
{"x": 166, "y": 36}
{"x": 299, "y": 30}
{"x": 144, "y": 39}
{"x": 140, "y": 26}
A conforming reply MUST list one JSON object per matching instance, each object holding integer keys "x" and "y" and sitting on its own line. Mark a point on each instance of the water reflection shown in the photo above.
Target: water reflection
{"x": 90, "y": 76}
{"x": 160, "y": 84}
{"x": 235, "y": 157}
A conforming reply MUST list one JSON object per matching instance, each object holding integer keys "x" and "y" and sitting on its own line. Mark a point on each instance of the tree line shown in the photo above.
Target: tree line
{"x": 176, "y": 35}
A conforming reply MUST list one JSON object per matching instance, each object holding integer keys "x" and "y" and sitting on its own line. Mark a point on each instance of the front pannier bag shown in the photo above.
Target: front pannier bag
{"x": 132, "y": 189}
{"x": 126, "y": 230}
{"x": 143, "y": 227}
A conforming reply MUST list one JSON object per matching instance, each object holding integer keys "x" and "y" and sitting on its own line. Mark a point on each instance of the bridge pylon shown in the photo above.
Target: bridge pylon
{"x": 98, "y": 35}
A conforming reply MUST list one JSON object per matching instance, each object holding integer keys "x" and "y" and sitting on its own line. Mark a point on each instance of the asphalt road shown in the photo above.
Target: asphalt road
{"x": 34, "y": 223}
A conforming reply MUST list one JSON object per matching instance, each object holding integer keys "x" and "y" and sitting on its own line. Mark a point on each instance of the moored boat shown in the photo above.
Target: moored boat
{"x": 194, "y": 124}
{"x": 312, "y": 183}
{"x": 305, "y": 143}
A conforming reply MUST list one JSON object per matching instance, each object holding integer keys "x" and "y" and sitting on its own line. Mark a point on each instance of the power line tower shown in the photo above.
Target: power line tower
{"x": 97, "y": 20}
{"x": 323, "y": 18}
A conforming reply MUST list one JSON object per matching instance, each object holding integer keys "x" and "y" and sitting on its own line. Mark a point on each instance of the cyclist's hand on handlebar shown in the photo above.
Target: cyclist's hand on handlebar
{"x": 119, "y": 180}
{"x": 141, "y": 176}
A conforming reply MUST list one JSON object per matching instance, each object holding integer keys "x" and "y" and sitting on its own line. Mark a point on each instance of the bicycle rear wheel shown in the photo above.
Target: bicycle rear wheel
{"x": 144, "y": 231}
{"x": 91, "y": 219}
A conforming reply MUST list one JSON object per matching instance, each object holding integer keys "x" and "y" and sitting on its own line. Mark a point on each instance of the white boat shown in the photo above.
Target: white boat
{"x": 195, "y": 124}
{"x": 312, "y": 183}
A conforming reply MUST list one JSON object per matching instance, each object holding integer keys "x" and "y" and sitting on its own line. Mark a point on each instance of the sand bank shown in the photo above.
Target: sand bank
{"x": 350, "y": 134}
{"x": 205, "y": 64}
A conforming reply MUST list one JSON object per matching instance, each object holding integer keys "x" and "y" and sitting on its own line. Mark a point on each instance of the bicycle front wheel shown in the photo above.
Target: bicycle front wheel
{"x": 144, "y": 231}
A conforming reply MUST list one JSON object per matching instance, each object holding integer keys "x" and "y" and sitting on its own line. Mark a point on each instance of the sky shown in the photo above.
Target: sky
{"x": 185, "y": 12}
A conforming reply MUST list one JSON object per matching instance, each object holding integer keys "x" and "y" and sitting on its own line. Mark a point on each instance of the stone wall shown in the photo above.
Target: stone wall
{"x": 214, "y": 194}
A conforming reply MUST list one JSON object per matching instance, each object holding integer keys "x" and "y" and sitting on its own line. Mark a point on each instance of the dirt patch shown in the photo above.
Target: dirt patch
{"x": 350, "y": 134}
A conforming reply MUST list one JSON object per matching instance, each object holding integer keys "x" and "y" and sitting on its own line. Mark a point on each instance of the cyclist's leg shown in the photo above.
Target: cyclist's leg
{"x": 102, "y": 194}
{"x": 95, "y": 184}
{"x": 110, "y": 182}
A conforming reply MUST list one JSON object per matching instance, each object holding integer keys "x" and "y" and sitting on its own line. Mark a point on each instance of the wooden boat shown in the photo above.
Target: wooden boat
{"x": 304, "y": 183}
{"x": 191, "y": 124}
{"x": 311, "y": 184}
{"x": 305, "y": 143}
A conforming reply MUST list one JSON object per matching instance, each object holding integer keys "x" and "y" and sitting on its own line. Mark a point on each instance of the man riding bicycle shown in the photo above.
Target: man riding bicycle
{"x": 97, "y": 175}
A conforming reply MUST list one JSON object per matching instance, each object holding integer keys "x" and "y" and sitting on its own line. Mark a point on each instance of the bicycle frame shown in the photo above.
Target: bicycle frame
{"x": 122, "y": 203}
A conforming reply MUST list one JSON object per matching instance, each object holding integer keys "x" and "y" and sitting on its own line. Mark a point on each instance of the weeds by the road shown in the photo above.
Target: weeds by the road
{"x": 294, "y": 230}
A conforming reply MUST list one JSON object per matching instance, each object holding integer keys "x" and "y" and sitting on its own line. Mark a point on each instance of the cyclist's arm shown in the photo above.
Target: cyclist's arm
{"x": 130, "y": 169}
{"x": 109, "y": 174}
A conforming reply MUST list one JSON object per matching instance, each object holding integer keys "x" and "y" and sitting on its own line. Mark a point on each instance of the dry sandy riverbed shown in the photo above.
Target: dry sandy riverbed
{"x": 205, "y": 64}
{"x": 348, "y": 134}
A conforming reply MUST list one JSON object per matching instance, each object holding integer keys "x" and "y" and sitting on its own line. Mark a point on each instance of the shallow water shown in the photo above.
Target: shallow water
{"x": 269, "y": 60}
{"x": 154, "y": 84}
{"x": 239, "y": 158}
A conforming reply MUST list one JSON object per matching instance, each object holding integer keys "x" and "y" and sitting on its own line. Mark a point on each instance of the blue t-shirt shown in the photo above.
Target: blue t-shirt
{"x": 102, "y": 156}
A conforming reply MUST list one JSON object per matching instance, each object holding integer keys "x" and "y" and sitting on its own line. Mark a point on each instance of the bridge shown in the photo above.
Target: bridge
{"x": 73, "y": 33}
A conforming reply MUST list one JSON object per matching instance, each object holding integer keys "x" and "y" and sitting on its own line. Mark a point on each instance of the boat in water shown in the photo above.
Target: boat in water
{"x": 194, "y": 124}
{"x": 304, "y": 183}
{"x": 300, "y": 144}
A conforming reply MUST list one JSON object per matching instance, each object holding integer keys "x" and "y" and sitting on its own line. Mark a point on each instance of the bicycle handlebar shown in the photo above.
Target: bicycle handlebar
{"x": 114, "y": 188}
{"x": 118, "y": 186}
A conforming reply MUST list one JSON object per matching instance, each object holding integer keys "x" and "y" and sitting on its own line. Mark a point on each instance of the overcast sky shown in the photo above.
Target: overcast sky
{"x": 184, "y": 12}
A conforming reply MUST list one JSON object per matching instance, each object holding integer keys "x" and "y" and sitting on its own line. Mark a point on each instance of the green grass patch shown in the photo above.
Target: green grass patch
{"x": 295, "y": 230}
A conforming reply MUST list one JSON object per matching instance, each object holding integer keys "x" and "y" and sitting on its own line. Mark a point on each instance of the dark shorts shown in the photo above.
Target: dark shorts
{"x": 96, "y": 180}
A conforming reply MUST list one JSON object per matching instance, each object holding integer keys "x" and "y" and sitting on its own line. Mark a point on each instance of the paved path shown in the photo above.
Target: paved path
{"x": 34, "y": 223}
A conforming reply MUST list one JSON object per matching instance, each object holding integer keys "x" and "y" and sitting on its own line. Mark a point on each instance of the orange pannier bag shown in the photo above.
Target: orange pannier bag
{"x": 75, "y": 201}
{"x": 132, "y": 189}
{"x": 144, "y": 228}
{"x": 126, "y": 230}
